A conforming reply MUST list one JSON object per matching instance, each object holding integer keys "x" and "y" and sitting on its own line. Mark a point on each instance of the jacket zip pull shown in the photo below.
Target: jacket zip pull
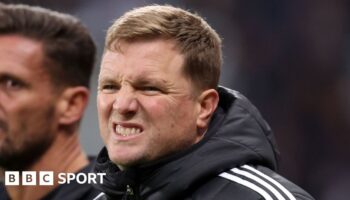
{"x": 130, "y": 192}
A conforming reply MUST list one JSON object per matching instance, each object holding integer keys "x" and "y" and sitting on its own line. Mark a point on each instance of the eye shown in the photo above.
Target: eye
{"x": 11, "y": 84}
{"x": 150, "y": 88}
{"x": 108, "y": 88}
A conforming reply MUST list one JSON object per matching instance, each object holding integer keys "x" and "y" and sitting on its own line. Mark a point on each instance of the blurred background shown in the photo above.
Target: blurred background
{"x": 290, "y": 58}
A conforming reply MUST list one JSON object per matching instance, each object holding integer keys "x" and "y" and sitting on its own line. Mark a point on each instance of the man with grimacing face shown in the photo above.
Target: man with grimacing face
{"x": 170, "y": 131}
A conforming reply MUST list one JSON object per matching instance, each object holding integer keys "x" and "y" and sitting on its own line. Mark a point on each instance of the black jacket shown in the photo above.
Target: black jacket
{"x": 235, "y": 160}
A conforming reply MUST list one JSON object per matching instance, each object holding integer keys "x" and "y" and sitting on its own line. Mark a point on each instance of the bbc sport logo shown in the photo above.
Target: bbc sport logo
{"x": 48, "y": 178}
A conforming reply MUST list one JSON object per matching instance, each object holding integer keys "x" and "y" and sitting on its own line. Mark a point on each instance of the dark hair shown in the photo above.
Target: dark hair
{"x": 195, "y": 39}
{"x": 69, "y": 51}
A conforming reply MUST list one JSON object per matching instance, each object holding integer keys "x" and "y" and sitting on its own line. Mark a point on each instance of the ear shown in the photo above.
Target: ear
{"x": 208, "y": 101}
{"x": 72, "y": 104}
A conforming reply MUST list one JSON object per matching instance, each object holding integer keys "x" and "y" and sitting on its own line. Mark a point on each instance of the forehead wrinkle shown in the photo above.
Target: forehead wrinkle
{"x": 157, "y": 55}
{"x": 150, "y": 67}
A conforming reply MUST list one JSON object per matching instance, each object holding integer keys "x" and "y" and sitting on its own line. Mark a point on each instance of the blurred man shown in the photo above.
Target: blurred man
{"x": 46, "y": 59}
{"x": 170, "y": 131}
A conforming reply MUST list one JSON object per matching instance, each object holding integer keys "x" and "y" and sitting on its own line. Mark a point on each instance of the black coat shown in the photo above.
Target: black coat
{"x": 235, "y": 160}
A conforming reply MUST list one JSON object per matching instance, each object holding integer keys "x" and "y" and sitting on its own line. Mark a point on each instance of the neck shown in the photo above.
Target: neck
{"x": 64, "y": 155}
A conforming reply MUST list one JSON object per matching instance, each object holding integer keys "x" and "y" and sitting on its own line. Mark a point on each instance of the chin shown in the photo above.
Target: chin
{"x": 124, "y": 161}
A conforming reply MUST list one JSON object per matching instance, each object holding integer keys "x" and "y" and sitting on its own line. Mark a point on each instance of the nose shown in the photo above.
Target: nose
{"x": 125, "y": 102}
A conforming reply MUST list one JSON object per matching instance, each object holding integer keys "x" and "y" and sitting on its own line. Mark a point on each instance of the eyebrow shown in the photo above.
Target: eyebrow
{"x": 106, "y": 77}
{"x": 152, "y": 81}
{"x": 144, "y": 80}
{"x": 4, "y": 76}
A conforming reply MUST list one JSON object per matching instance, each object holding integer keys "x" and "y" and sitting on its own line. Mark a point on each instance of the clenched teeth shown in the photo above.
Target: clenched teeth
{"x": 124, "y": 131}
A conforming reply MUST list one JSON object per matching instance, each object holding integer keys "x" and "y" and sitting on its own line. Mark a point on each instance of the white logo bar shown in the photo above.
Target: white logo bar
{"x": 48, "y": 178}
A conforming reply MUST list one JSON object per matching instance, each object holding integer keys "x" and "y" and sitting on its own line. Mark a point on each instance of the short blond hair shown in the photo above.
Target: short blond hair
{"x": 195, "y": 39}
